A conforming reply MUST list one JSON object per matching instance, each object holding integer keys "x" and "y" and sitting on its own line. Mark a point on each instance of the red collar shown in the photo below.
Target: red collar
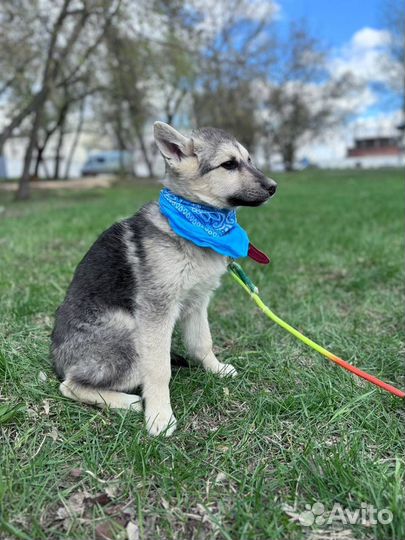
{"x": 257, "y": 255}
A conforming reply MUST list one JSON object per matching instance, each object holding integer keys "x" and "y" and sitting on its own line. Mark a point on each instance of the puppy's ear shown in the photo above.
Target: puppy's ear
{"x": 172, "y": 144}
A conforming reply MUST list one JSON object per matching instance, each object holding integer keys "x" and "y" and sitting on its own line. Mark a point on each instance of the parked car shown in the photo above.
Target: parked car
{"x": 110, "y": 162}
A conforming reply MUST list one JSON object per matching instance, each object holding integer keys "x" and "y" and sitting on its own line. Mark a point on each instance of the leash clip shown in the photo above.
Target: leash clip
{"x": 240, "y": 273}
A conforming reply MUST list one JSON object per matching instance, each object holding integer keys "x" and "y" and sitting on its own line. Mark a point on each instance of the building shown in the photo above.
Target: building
{"x": 376, "y": 151}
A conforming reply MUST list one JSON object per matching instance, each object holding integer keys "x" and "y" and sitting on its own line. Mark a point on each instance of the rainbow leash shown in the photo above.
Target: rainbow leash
{"x": 244, "y": 281}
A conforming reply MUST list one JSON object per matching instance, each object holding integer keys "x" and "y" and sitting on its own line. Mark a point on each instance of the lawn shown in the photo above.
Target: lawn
{"x": 250, "y": 454}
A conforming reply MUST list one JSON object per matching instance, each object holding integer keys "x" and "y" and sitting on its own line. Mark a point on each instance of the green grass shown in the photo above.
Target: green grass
{"x": 291, "y": 430}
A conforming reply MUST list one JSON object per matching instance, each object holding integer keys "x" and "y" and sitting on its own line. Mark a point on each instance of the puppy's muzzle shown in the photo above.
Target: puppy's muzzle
{"x": 263, "y": 189}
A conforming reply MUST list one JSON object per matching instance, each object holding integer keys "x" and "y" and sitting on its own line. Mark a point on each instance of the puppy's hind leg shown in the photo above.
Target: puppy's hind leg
{"x": 99, "y": 397}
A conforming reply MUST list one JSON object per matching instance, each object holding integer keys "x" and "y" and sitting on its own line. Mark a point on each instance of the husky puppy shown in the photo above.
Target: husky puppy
{"x": 113, "y": 332}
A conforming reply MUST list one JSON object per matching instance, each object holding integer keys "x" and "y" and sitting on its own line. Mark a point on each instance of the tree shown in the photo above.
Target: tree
{"x": 236, "y": 54}
{"x": 128, "y": 105}
{"x": 303, "y": 98}
{"x": 173, "y": 58}
{"x": 61, "y": 105}
{"x": 74, "y": 31}
{"x": 231, "y": 108}
{"x": 19, "y": 63}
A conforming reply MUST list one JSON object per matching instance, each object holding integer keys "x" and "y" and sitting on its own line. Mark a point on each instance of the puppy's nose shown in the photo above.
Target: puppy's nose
{"x": 271, "y": 186}
{"x": 272, "y": 189}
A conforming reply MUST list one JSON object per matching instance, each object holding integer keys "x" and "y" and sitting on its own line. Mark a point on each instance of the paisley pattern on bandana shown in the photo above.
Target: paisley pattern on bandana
{"x": 215, "y": 222}
{"x": 205, "y": 226}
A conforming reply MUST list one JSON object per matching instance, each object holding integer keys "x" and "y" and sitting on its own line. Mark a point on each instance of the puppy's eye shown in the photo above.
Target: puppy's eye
{"x": 249, "y": 159}
{"x": 230, "y": 165}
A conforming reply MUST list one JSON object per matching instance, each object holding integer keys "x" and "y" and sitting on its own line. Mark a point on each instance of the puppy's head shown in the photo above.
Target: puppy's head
{"x": 211, "y": 167}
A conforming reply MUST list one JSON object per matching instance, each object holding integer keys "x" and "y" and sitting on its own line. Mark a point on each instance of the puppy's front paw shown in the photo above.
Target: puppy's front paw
{"x": 159, "y": 422}
{"x": 226, "y": 370}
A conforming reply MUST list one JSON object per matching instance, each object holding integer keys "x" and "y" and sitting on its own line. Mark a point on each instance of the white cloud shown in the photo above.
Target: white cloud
{"x": 370, "y": 38}
{"x": 366, "y": 57}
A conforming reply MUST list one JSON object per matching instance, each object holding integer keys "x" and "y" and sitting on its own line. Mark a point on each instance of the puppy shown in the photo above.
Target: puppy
{"x": 113, "y": 332}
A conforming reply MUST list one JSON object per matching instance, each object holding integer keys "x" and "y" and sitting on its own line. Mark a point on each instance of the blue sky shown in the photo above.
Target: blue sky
{"x": 334, "y": 21}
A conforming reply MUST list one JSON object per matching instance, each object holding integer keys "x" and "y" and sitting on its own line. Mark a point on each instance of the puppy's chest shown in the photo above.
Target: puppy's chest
{"x": 202, "y": 271}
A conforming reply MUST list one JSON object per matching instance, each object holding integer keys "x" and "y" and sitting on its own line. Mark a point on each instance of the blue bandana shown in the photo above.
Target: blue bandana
{"x": 205, "y": 226}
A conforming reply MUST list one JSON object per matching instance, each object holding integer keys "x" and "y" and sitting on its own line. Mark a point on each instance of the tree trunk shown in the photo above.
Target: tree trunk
{"x": 119, "y": 131}
{"x": 61, "y": 136}
{"x": 58, "y": 156}
{"x": 24, "y": 190}
{"x": 288, "y": 153}
{"x": 40, "y": 151}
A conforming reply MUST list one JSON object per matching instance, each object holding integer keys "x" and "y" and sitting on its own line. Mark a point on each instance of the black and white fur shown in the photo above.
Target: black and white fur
{"x": 113, "y": 331}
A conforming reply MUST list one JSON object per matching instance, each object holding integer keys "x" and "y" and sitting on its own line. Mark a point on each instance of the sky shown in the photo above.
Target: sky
{"x": 354, "y": 34}
{"x": 335, "y": 21}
